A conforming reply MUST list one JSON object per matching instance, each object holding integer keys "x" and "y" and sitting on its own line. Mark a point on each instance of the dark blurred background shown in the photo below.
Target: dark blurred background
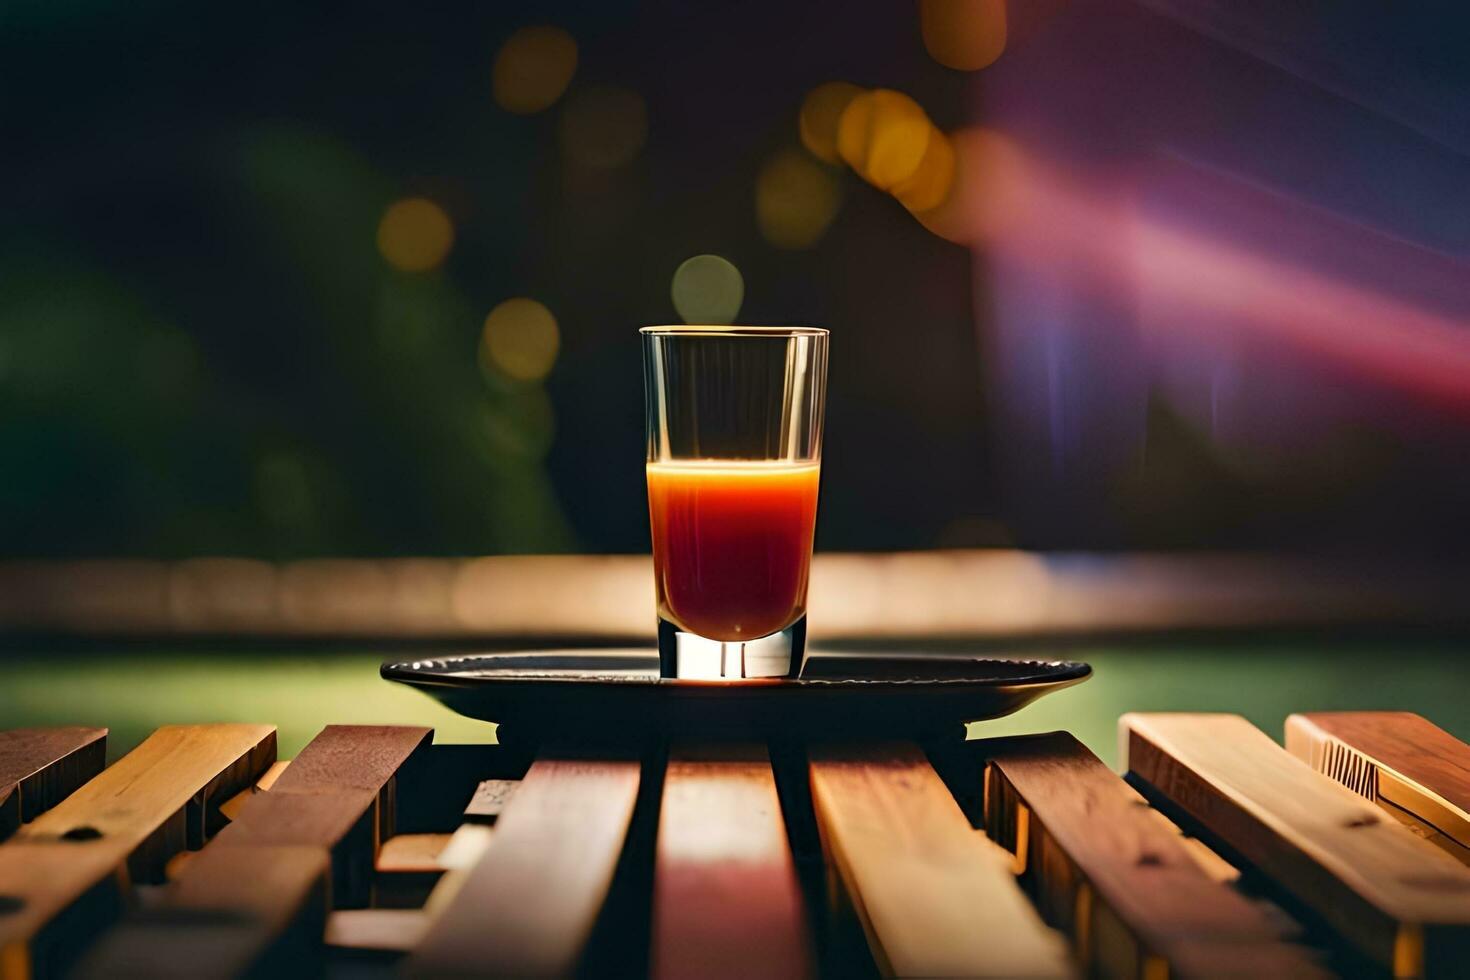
{"x": 289, "y": 280}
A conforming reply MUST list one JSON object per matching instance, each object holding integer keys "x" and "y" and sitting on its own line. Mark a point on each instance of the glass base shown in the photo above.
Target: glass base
{"x": 688, "y": 656}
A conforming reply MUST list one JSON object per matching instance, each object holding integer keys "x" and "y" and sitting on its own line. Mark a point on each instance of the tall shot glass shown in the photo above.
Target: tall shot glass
{"x": 734, "y": 460}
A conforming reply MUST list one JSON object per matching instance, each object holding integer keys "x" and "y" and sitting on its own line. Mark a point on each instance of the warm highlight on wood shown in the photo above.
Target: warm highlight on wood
{"x": 726, "y": 900}
{"x": 127, "y": 821}
{"x": 935, "y": 897}
{"x": 1397, "y": 759}
{"x": 1394, "y": 896}
{"x": 527, "y": 907}
{"x": 1089, "y": 830}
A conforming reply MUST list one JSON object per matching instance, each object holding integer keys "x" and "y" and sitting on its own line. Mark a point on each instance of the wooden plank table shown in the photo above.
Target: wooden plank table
{"x": 1393, "y": 895}
{"x": 1013, "y": 857}
{"x": 127, "y": 821}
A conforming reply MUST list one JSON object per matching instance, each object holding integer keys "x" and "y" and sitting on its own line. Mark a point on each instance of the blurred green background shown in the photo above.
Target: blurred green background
{"x": 299, "y": 690}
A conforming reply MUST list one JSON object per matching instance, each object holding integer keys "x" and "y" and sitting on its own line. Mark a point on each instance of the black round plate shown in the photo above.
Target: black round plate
{"x": 610, "y": 693}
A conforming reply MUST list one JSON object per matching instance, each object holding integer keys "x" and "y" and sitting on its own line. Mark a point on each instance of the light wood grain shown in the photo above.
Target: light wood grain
{"x": 129, "y": 819}
{"x": 39, "y": 767}
{"x": 233, "y": 912}
{"x": 528, "y": 906}
{"x": 1395, "y": 758}
{"x": 936, "y": 899}
{"x": 726, "y": 899}
{"x": 1394, "y": 896}
{"x": 265, "y": 875}
{"x": 1135, "y": 865}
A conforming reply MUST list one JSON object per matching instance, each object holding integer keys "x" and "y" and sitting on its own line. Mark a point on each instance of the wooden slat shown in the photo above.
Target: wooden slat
{"x": 1132, "y": 863}
{"x": 265, "y": 871}
{"x": 936, "y": 898}
{"x": 128, "y": 820}
{"x": 1395, "y": 758}
{"x": 236, "y": 911}
{"x": 1397, "y": 898}
{"x": 400, "y": 930}
{"x": 393, "y": 931}
{"x": 412, "y": 854}
{"x": 230, "y": 808}
{"x": 726, "y": 899}
{"x": 338, "y": 793}
{"x": 434, "y": 793}
{"x": 39, "y": 767}
{"x": 408, "y": 868}
{"x": 528, "y": 906}
{"x": 490, "y": 799}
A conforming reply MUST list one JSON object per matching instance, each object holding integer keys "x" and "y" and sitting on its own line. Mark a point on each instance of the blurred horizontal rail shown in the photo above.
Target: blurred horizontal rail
{"x": 938, "y": 595}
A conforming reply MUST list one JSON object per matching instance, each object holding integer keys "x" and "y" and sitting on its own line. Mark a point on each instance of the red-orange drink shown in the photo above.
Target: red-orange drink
{"x": 732, "y": 544}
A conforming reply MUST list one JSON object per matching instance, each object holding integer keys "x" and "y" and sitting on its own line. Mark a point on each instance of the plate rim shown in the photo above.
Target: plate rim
{"x": 1058, "y": 672}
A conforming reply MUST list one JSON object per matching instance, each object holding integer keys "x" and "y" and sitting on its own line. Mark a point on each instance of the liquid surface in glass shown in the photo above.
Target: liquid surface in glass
{"x": 732, "y": 544}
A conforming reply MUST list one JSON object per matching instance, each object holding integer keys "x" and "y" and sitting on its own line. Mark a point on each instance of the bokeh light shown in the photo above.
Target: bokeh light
{"x": 963, "y": 34}
{"x": 796, "y": 199}
{"x": 533, "y": 68}
{"x": 415, "y": 235}
{"x": 708, "y": 289}
{"x": 520, "y": 340}
{"x": 883, "y": 135}
{"x": 929, "y": 185}
{"x": 821, "y": 113}
{"x": 889, "y": 140}
{"x": 603, "y": 127}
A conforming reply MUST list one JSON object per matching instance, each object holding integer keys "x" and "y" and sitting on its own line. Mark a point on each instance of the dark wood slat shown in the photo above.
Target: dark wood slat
{"x": 39, "y": 767}
{"x": 726, "y": 899}
{"x": 528, "y": 906}
{"x": 1394, "y": 896}
{"x": 1395, "y": 758}
{"x": 338, "y": 793}
{"x": 1093, "y": 832}
{"x": 434, "y": 792}
{"x": 128, "y": 820}
{"x": 235, "y": 912}
{"x": 935, "y": 897}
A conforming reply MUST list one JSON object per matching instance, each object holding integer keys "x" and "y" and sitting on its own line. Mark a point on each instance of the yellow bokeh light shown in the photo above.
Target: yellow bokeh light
{"x": 796, "y": 198}
{"x": 533, "y": 68}
{"x": 929, "y": 185}
{"x": 520, "y": 340}
{"x": 414, "y": 235}
{"x": 604, "y": 127}
{"x": 708, "y": 289}
{"x": 883, "y": 135}
{"x": 821, "y": 113}
{"x": 963, "y": 34}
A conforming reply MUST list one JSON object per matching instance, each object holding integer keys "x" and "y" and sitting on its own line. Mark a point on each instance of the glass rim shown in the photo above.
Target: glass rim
{"x": 724, "y": 330}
